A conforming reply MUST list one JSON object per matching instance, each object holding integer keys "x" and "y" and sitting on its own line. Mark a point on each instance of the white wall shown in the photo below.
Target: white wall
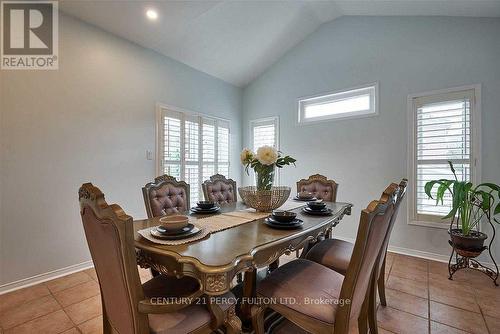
{"x": 92, "y": 120}
{"x": 405, "y": 55}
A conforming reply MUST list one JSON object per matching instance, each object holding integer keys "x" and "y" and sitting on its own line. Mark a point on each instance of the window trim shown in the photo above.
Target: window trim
{"x": 332, "y": 118}
{"x": 265, "y": 120}
{"x": 411, "y": 161}
{"x": 159, "y": 111}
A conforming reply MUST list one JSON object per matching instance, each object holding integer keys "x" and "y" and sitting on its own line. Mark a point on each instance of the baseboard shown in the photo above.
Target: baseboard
{"x": 409, "y": 252}
{"x": 26, "y": 282}
{"x": 417, "y": 253}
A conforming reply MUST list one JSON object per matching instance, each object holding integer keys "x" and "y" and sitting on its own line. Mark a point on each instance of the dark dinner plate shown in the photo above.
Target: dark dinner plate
{"x": 205, "y": 211}
{"x": 297, "y": 223}
{"x": 195, "y": 230}
{"x": 297, "y": 198}
{"x": 325, "y": 212}
{"x": 183, "y": 230}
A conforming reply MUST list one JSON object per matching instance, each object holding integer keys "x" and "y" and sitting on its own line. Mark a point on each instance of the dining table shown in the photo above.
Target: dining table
{"x": 218, "y": 258}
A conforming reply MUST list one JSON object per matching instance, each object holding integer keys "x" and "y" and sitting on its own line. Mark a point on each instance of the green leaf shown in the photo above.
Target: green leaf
{"x": 497, "y": 210}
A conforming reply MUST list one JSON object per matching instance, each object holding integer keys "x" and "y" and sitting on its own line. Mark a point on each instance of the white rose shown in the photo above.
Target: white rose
{"x": 246, "y": 155}
{"x": 267, "y": 155}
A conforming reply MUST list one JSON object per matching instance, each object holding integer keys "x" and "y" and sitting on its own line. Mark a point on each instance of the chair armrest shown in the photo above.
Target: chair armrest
{"x": 175, "y": 304}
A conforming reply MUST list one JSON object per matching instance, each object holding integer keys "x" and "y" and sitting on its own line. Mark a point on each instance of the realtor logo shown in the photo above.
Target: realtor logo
{"x": 29, "y": 35}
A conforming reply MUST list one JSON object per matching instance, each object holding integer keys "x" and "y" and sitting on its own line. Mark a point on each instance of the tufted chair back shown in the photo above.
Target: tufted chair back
{"x": 220, "y": 190}
{"x": 165, "y": 196}
{"x": 320, "y": 186}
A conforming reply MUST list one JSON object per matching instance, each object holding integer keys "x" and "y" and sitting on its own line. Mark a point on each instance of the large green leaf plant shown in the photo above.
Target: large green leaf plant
{"x": 469, "y": 203}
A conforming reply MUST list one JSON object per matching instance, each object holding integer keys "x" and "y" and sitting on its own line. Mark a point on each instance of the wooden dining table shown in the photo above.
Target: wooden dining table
{"x": 215, "y": 260}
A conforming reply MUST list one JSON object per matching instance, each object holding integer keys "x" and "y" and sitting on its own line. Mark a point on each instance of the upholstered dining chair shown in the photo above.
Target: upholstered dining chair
{"x": 127, "y": 306}
{"x": 335, "y": 300}
{"x": 165, "y": 195}
{"x": 219, "y": 189}
{"x": 320, "y": 186}
{"x": 336, "y": 254}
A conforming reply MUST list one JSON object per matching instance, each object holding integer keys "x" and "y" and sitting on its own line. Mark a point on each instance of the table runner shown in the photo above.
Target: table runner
{"x": 218, "y": 223}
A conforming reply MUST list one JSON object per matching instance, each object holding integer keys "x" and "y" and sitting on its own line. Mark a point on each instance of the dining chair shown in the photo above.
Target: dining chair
{"x": 336, "y": 254}
{"x": 159, "y": 306}
{"x": 320, "y": 186}
{"x": 319, "y": 299}
{"x": 165, "y": 195}
{"x": 220, "y": 190}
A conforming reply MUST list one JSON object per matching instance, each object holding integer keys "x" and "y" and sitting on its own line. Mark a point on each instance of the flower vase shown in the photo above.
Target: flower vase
{"x": 264, "y": 177}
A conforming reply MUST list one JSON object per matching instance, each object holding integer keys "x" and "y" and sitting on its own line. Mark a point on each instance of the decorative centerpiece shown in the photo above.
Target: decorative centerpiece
{"x": 264, "y": 196}
{"x": 470, "y": 205}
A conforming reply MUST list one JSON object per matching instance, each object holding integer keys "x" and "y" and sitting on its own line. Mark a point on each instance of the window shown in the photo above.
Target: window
{"x": 356, "y": 102}
{"x": 444, "y": 127}
{"x": 264, "y": 132}
{"x": 192, "y": 147}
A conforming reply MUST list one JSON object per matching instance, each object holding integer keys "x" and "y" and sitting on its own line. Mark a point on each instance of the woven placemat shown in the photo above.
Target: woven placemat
{"x": 146, "y": 233}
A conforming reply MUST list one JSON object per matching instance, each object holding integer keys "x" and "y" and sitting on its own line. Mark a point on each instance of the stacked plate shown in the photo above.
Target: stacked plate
{"x": 174, "y": 228}
{"x": 283, "y": 220}
{"x": 304, "y": 196}
{"x": 317, "y": 208}
{"x": 205, "y": 208}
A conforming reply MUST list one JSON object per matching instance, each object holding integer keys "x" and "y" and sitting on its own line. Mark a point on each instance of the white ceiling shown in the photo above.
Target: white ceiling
{"x": 236, "y": 41}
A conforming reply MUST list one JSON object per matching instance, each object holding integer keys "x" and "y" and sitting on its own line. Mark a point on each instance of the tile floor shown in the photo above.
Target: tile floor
{"x": 420, "y": 300}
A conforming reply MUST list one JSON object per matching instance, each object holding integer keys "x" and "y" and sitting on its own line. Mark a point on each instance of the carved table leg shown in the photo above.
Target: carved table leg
{"x": 249, "y": 285}
{"x": 232, "y": 322}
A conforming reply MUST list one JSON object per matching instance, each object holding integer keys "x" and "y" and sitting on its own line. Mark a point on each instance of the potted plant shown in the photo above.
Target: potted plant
{"x": 470, "y": 204}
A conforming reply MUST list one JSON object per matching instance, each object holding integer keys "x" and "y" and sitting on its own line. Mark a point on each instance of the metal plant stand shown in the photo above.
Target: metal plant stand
{"x": 466, "y": 259}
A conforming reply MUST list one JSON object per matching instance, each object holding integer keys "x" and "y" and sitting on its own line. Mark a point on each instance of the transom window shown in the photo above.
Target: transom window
{"x": 444, "y": 128}
{"x": 339, "y": 105}
{"x": 192, "y": 147}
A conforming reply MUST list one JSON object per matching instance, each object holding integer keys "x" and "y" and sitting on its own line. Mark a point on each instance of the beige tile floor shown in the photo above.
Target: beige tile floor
{"x": 420, "y": 300}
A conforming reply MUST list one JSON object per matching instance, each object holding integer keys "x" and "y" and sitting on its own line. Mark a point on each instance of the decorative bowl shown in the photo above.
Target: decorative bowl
{"x": 175, "y": 222}
{"x": 264, "y": 200}
{"x": 205, "y": 204}
{"x": 284, "y": 216}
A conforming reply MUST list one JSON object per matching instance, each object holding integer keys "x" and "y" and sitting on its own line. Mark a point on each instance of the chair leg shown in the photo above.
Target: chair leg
{"x": 372, "y": 308}
{"x": 258, "y": 319}
{"x": 363, "y": 318}
{"x": 232, "y": 322}
{"x": 381, "y": 285}
{"x": 106, "y": 326}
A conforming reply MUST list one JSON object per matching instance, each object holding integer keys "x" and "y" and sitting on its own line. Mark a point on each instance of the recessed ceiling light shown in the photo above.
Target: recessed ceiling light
{"x": 152, "y": 14}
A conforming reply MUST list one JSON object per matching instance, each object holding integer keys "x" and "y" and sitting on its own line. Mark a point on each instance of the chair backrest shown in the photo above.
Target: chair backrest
{"x": 219, "y": 189}
{"x": 110, "y": 237}
{"x": 165, "y": 195}
{"x": 401, "y": 195}
{"x": 320, "y": 186}
{"x": 372, "y": 231}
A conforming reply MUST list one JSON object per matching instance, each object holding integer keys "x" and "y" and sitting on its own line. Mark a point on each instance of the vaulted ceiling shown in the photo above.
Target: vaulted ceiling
{"x": 236, "y": 41}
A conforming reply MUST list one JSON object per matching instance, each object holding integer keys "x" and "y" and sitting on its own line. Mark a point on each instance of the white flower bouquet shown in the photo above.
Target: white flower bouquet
{"x": 264, "y": 163}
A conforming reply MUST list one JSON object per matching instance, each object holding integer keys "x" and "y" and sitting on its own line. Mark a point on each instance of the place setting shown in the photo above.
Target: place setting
{"x": 205, "y": 208}
{"x": 305, "y": 196}
{"x": 285, "y": 220}
{"x": 174, "y": 230}
{"x": 317, "y": 208}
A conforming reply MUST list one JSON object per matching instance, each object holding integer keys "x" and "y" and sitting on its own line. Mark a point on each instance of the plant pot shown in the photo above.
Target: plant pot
{"x": 473, "y": 243}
